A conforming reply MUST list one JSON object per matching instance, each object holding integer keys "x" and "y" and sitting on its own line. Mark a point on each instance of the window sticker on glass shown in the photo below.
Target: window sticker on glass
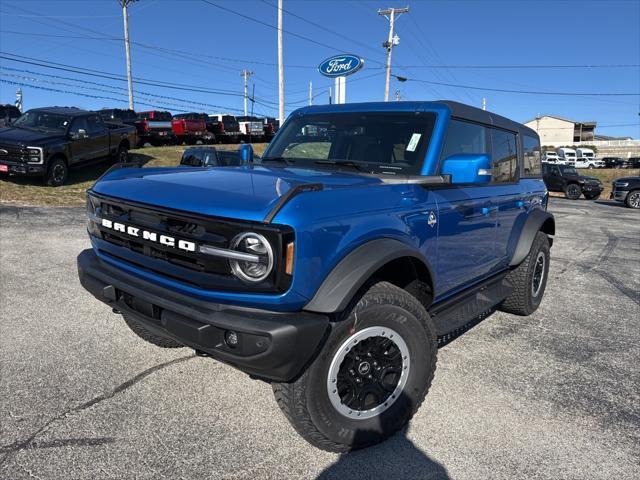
{"x": 413, "y": 142}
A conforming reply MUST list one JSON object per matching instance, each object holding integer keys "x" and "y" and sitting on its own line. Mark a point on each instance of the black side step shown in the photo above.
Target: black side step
{"x": 455, "y": 312}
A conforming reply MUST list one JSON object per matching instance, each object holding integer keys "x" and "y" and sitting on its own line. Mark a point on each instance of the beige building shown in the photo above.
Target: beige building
{"x": 558, "y": 131}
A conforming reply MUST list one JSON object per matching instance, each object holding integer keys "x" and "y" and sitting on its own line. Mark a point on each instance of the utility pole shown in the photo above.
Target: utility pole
{"x": 246, "y": 74}
{"x": 280, "y": 67}
{"x": 390, "y": 14}
{"x": 398, "y": 96}
{"x": 310, "y": 92}
{"x": 18, "y": 103}
{"x": 127, "y": 47}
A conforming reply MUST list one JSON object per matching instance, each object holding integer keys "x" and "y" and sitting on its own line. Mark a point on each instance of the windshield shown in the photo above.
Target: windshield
{"x": 568, "y": 170}
{"x": 389, "y": 143}
{"x": 45, "y": 121}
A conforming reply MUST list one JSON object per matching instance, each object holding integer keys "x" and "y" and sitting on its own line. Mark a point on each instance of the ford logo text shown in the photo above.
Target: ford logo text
{"x": 340, "y": 65}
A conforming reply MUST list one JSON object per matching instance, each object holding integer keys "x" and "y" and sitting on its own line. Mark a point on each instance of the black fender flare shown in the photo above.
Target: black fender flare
{"x": 346, "y": 278}
{"x": 537, "y": 220}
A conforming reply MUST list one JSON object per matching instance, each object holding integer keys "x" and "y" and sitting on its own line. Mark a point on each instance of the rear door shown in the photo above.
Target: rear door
{"x": 508, "y": 194}
{"x": 99, "y": 137}
{"x": 467, "y": 216}
{"x": 552, "y": 177}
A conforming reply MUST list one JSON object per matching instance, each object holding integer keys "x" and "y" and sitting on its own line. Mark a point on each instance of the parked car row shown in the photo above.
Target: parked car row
{"x": 161, "y": 128}
{"x": 585, "y": 158}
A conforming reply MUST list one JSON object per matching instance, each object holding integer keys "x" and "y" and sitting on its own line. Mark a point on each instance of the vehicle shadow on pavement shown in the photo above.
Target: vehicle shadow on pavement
{"x": 395, "y": 458}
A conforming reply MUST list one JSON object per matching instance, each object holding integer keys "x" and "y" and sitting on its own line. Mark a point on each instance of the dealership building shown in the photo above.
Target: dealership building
{"x": 554, "y": 130}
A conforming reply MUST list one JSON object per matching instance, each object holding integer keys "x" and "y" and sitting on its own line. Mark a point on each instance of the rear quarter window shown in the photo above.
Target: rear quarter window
{"x": 531, "y": 165}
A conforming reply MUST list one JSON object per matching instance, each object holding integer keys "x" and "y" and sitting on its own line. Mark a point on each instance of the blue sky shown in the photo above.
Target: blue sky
{"x": 197, "y": 44}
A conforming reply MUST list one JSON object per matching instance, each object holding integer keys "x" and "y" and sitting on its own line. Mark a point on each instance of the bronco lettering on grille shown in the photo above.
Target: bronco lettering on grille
{"x": 165, "y": 240}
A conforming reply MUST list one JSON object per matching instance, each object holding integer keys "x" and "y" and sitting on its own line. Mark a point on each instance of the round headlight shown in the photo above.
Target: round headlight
{"x": 253, "y": 244}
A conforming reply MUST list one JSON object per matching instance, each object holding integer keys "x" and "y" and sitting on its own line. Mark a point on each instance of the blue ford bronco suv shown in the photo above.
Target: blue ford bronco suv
{"x": 333, "y": 266}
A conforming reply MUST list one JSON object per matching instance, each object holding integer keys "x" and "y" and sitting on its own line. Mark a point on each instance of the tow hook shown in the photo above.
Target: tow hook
{"x": 116, "y": 311}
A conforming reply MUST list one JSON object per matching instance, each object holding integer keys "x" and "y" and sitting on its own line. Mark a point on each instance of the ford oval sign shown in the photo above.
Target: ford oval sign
{"x": 340, "y": 65}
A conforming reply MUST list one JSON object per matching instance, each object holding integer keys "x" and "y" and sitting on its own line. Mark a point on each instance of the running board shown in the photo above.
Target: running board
{"x": 455, "y": 312}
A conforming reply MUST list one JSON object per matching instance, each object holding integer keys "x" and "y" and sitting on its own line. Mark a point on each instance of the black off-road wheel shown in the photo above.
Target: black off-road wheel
{"x": 57, "y": 173}
{"x": 370, "y": 377}
{"x": 572, "y": 191}
{"x": 529, "y": 279}
{"x": 157, "y": 340}
{"x": 122, "y": 155}
{"x": 633, "y": 199}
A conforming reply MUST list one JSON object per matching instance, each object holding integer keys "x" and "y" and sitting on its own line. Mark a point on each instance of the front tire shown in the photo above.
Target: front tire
{"x": 371, "y": 376}
{"x": 572, "y": 191}
{"x": 57, "y": 173}
{"x": 157, "y": 340}
{"x": 633, "y": 199}
{"x": 529, "y": 279}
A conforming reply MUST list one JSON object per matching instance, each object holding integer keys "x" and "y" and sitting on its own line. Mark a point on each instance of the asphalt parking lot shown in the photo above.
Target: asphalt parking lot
{"x": 555, "y": 395}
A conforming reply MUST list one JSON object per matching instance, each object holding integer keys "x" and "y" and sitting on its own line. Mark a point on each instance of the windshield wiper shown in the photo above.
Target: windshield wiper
{"x": 343, "y": 163}
{"x": 276, "y": 159}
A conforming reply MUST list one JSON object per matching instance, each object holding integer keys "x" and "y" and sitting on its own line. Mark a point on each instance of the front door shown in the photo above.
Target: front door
{"x": 80, "y": 145}
{"x": 466, "y": 236}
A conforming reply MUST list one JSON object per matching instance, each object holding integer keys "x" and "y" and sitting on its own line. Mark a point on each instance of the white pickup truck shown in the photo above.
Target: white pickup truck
{"x": 589, "y": 162}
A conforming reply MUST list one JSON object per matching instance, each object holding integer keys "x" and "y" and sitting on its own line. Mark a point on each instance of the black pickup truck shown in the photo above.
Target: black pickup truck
{"x": 47, "y": 142}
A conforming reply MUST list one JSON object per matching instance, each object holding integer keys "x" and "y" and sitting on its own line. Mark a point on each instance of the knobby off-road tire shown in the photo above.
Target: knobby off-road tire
{"x": 529, "y": 279}
{"x": 386, "y": 325}
{"x": 122, "y": 155}
{"x": 572, "y": 191}
{"x": 57, "y": 173}
{"x": 139, "y": 329}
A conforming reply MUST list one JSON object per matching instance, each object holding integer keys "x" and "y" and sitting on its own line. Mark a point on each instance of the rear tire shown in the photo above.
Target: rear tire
{"x": 529, "y": 279}
{"x": 57, "y": 173}
{"x": 140, "y": 330}
{"x": 633, "y": 199}
{"x": 122, "y": 155}
{"x": 572, "y": 191}
{"x": 381, "y": 361}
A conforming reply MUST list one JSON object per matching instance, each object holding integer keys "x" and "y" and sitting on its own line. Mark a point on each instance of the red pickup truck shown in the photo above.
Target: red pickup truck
{"x": 155, "y": 127}
{"x": 191, "y": 128}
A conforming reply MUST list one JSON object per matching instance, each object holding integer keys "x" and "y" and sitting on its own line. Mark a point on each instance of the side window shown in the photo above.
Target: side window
{"x": 504, "y": 156}
{"x": 463, "y": 137}
{"x": 531, "y": 154}
{"x": 79, "y": 123}
{"x": 95, "y": 125}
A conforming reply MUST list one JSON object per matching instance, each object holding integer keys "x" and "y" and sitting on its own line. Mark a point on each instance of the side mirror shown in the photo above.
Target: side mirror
{"x": 79, "y": 135}
{"x": 246, "y": 153}
{"x": 468, "y": 168}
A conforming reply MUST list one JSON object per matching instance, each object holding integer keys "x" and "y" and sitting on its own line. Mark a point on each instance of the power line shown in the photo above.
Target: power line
{"x": 528, "y": 92}
{"x": 274, "y": 27}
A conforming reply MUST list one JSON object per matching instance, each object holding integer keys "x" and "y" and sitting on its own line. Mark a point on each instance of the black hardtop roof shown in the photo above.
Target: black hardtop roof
{"x": 467, "y": 112}
{"x": 457, "y": 109}
{"x": 70, "y": 111}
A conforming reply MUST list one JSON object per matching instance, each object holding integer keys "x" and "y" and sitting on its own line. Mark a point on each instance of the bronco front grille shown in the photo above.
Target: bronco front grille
{"x": 191, "y": 267}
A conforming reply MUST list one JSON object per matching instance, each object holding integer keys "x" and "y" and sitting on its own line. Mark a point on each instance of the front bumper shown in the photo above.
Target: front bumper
{"x": 21, "y": 168}
{"x": 620, "y": 195}
{"x": 592, "y": 188}
{"x": 271, "y": 345}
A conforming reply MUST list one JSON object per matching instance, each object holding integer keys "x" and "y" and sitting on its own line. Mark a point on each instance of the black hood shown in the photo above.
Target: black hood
{"x": 24, "y": 136}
